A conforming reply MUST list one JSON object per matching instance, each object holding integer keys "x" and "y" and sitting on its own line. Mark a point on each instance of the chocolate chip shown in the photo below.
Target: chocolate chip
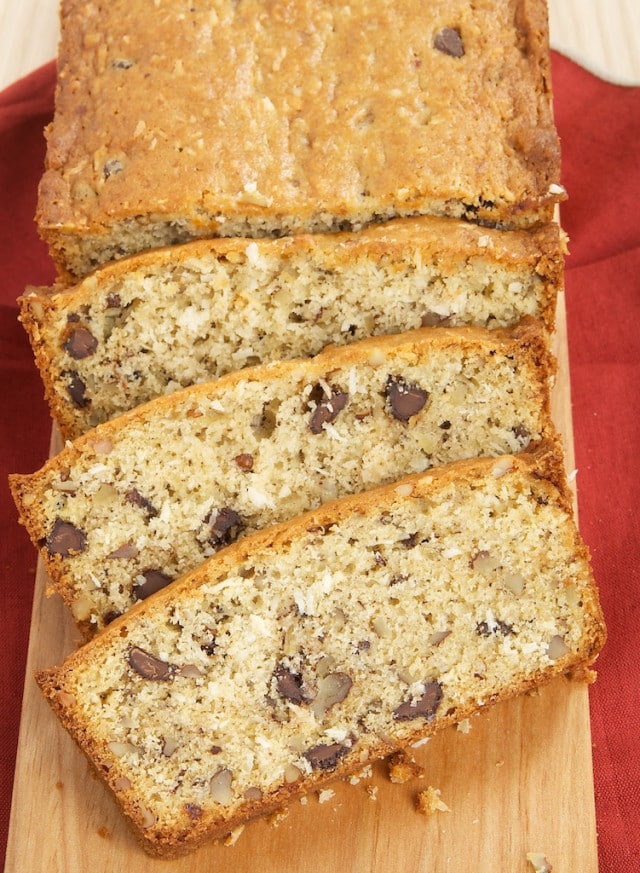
{"x": 134, "y": 497}
{"x": 449, "y": 42}
{"x": 521, "y": 431}
{"x": 327, "y": 408}
{"x": 290, "y": 685}
{"x": 208, "y": 646}
{"x": 245, "y": 462}
{"x": 148, "y": 666}
{"x": 193, "y": 811}
{"x": 411, "y": 541}
{"x": 113, "y": 301}
{"x": 484, "y": 629}
{"x": 404, "y": 398}
{"x": 445, "y": 425}
{"x": 424, "y": 707}
{"x": 215, "y": 750}
{"x": 154, "y": 580}
{"x": 325, "y": 756}
{"x": 65, "y": 539}
{"x": 81, "y": 343}
{"x": 225, "y": 524}
{"x": 77, "y": 389}
{"x": 110, "y": 616}
{"x": 112, "y": 167}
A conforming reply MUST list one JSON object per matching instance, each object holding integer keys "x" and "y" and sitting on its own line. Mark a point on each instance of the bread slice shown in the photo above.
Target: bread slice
{"x": 216, "y": 120}
{"x": 305, "y": 651}
{"x": 145, "y": 497}
{"x": 149, "y": 324}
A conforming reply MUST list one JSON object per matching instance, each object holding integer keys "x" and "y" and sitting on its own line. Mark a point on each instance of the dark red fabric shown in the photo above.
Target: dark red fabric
{"x": 600, "y": 129}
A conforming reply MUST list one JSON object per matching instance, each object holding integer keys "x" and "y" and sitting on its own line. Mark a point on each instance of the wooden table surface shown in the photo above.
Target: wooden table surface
{"x": 602, "y": 35}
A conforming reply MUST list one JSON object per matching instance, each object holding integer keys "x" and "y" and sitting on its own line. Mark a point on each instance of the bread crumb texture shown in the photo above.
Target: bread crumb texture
{"x": 307, "y": 651}
{"x": 141, "y": 500}
{"x": 166, "y": 319}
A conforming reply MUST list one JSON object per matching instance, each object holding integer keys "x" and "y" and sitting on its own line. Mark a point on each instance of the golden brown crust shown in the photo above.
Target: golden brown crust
{"x": 273, "y": 136}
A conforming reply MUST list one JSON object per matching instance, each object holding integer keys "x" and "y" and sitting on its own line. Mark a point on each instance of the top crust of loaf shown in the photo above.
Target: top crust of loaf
{"x": 230, "y": 119}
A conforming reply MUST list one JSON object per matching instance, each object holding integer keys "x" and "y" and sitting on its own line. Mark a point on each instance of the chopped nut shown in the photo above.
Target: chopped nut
{"x": 557, "y": 648}
{"x": 332, "y": 689}
{"x": 220, "y": 787}
{"x": 121, "y": 749}
{"x": 292, "y": 773}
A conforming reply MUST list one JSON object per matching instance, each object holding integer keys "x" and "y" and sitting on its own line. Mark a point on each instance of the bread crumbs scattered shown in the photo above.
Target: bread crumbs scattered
{"x": 365, "y": 773}
{"x": 303, "y": 800}
{"x": 278, "y": 817}
{"x": 372, "y": 791}
{"x": 464, "y": 726}
{"x": 539, "y": 862}
{"x": 232, "y": 838}
{"x": 428, "y": 801}
{"x": 325, "y": 795}
{"x": 402, "y": 767}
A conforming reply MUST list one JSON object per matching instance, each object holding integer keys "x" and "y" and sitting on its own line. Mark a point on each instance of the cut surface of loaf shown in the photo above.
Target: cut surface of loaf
{"x": 310, "y": 649}
{"x": 143, "y": 498}
{"x": 147, "y": 325}
{"x": 225, "y": 120}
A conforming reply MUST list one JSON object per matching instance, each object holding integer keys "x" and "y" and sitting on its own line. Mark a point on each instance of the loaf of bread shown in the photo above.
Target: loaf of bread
{"x": 177, "y": 121}
{"x": 144, "y": 326}
{"x": 308, "y": 650}
{"x": 147, "y": 496}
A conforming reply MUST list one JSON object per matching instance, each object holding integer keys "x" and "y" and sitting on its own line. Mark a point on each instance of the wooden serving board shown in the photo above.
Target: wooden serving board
{"x": 520, "y": 781}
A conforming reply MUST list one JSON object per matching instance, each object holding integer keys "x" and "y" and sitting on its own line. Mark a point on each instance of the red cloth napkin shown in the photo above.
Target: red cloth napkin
{"x": 600, "y": 128}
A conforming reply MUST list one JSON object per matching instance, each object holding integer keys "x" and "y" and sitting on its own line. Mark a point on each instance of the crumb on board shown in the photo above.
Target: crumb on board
{"x": 232, "y": 838}
{"x": 278, "y": 817}
{"x": 428, "y": 801}
{"x": 325, "y": 795}
{"x": 372, "y": 791}
{"x": 403, "y": 767}
{"x": 539, "y": 862}
{"x": 464, "y": 726}
{"x": 365, "y": 773}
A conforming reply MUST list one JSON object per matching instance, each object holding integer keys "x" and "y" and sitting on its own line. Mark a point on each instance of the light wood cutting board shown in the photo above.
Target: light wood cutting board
{"x": 519, "y": 781}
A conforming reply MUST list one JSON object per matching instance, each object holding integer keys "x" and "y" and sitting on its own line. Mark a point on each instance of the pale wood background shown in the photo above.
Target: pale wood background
{"x": 600, "y": 34}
